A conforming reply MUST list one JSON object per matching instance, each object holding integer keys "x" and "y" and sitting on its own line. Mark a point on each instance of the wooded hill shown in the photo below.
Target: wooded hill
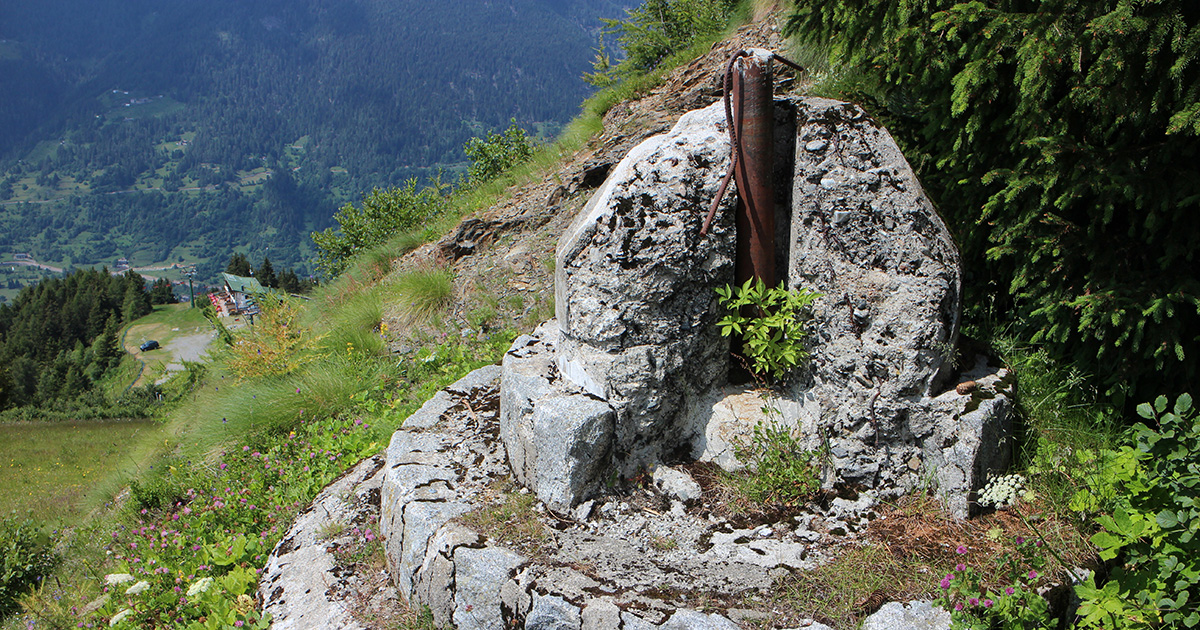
{"x": 245, "y": 125}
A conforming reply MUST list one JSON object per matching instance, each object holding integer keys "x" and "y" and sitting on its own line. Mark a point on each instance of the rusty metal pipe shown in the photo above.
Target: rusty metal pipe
{"x": 754, "y": 118}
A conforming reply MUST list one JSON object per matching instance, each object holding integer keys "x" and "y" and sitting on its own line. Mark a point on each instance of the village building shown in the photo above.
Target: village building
{"x": 240, "y": 293}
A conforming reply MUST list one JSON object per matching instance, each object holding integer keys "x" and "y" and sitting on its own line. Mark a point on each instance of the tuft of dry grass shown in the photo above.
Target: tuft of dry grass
{"x": 509, "y": 518}
{"x": 423, "y": 293}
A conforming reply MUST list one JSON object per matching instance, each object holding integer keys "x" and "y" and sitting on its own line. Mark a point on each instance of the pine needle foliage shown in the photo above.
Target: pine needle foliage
{"x": 1059, "y": 138}
{"x": 654, "y": 30}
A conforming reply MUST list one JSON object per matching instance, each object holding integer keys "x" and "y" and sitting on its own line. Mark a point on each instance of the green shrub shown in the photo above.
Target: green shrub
{"x": 654, "y": 30}
{"x": 153, "y": 491}
{"x": 780, "y": 471}
{"x": 497, "y": 153}
{"x": 773, "y": 336}
{"x": 28, "y": 557}
{"x": 1059, "y": 139}
{"x": 381, "y": 215}
{"x": 1153, "y": 530}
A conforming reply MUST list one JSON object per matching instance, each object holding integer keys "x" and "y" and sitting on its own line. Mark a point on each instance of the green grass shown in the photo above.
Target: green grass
{"x": 422, "y": 294}
{"x": 167, "y": 324}
{"x": 58, "y": 470}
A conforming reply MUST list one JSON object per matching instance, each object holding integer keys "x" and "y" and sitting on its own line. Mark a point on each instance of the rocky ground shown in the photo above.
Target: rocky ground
{"x": 662, "y": 552}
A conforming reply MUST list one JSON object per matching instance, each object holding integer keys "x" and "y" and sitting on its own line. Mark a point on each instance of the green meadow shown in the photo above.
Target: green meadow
{"x": 55, "y": 469}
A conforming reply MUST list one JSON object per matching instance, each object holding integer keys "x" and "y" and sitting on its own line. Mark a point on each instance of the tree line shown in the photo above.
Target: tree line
{"x": 59, "y": 338}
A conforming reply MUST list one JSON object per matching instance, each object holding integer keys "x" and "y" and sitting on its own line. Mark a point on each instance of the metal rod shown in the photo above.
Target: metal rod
{"x": 754, "y": 118}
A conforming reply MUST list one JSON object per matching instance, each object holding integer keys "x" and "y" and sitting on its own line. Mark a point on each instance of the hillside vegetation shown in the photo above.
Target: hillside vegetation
{"x": 1095, "y": 486}
{"x": 171, "y": 132}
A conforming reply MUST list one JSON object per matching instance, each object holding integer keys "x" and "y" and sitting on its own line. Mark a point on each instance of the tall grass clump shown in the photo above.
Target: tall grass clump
{"x": 423, "y": 293}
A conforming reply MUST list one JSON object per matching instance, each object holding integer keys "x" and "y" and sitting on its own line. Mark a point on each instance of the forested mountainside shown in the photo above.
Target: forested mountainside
{"x": 245, "y": 125}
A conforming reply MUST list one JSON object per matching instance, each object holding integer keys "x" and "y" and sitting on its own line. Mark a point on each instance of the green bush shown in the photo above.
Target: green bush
{"x": 773, "y": 335}
{"x": 382, "y": 215}
{"x": 27, "y": 556}
{"x": 497, "y": 153}
{"x": 1059, "y": 140}
{"x": 656, "y": 29}
{"x": 780, "y": 471}
{"x": 1152, "y": 531}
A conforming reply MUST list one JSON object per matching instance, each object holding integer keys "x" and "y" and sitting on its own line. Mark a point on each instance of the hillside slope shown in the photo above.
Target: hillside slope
{"x": 504, "y": 255}
{"x": 161, "y": 131}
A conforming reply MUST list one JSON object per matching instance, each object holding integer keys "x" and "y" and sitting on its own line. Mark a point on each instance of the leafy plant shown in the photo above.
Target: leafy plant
{"x": 381, "y": 215}
{"x": 780, "y": 470}
{"x": 27, "y": 557}
{"x": 497, "y": 153}
{"x": 656, "y": 29}
{"x": 1014, "y": 605}
{"x": 276, "y": 344}
{"x": 1060, "y": 140}
{"x": 773, "y": 336}
{"x": 1153, "y": 530}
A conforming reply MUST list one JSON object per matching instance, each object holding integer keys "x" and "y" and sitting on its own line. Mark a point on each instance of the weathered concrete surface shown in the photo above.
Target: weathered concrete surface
{"x": 635, "y": 284}
{"x": 919, "y": 615}
{"x": 868, "y": 240}
{"x": 865, "y": 236}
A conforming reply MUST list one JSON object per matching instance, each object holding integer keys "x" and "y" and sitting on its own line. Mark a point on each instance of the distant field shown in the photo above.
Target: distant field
{"x": 53, "y": 468}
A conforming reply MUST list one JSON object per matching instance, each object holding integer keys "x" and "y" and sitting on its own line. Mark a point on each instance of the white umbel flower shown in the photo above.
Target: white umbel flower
{"x": 199, "y": 586}
{"x": 1002, "y": 491}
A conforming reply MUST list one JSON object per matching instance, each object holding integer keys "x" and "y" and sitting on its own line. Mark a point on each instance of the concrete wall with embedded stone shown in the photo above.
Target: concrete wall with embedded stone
{"x": 636, "y": 342}
{"x": 634, "y": 286}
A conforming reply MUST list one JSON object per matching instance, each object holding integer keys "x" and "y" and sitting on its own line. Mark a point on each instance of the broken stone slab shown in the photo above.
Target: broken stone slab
{"x": 421, "y": 520}
{"x": 559, "y": 441}
{"x": 478, "y": 576}
{"x": 726, "y": 417}
{"x": 553, "y": 613}
{"x": 572, "y": 437}
{"x": 600, "y": 614}
{"x": 298, "y": 586}
{"x": 967, "y": 438}
{"x": 953, "y": 443}
{"x": 676, "y": 484}
{"x": 482, "y": 379}
{"x": 684, "y": 619}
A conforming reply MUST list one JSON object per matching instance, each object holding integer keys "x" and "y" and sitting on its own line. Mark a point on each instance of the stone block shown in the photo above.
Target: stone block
{"x": 552, "y": 613}
{"x": 479, "y": 573}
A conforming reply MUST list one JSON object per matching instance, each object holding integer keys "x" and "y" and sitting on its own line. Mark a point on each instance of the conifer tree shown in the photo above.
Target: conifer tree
{"x": 238, "y": 265}
{"x": 266, "y": 274}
